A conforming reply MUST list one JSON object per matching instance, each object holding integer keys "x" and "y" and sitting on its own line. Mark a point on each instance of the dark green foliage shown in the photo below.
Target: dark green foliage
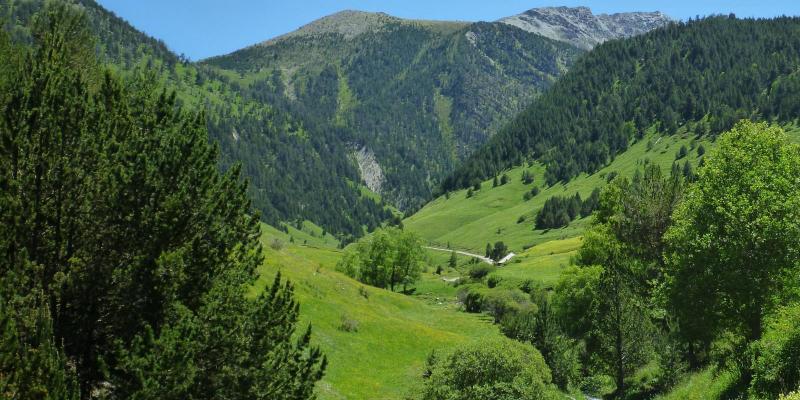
{"x": 682, "y": 152}
{"x": 32, "y": 365}
{"x": 420, "y": 96}
{"x": 623, "y": 87}
{"x": 558, "y": 211}
{"x": 470, "y": 299}
{"x": 498, "y": 251}
{"x": 288, "y": 161}
{"x": 123, "y": 243}
{"x": 701, "y": 150}
{"x": 504, "y": 179}
{"x": 591, "y": 203}
{"x": 776, "y": 356}
{"x": 527, "y": 178}
{"x": 480, "y": 271}
{"x": 453, "y": 261}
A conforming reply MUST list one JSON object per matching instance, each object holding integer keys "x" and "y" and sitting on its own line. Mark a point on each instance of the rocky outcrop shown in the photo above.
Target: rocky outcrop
{"x": 579, "y": 27}
{"x": 371, "y": 172}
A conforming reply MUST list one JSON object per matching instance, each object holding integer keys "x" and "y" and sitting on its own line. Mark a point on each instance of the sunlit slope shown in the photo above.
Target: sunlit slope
{"x": 493, "y": 214}
{"x": 384, "y": 358}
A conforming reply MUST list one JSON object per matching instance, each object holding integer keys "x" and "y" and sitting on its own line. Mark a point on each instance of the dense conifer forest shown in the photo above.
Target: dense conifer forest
{"x": 287, "y": 160}
{"x": 710, "y": 72}
{"x": 126, "y": 254}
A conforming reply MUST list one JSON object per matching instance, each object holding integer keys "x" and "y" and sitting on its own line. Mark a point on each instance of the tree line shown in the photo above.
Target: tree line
{"x": 125, "y": 254}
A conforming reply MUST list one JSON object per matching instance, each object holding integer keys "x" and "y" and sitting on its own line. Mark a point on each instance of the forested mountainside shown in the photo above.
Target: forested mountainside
{"x": 287, "y": 162}
{"x": 709, "y": 72}
{"x": 418, "y": 95}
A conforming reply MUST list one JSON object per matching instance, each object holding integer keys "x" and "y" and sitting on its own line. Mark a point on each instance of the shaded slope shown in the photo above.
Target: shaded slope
{"x": 720, "y": 69}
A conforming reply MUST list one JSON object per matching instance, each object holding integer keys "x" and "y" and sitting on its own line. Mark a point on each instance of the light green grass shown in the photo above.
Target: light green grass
{"x": 708, "y": 384}
{"x": 384, "y": 359}
{"x": 492, "y": 213}
{"x": 309, "y": 235}
{"x": 542, "y": 263}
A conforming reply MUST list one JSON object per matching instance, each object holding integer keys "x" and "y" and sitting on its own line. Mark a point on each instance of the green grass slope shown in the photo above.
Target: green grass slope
{"x": 492, "y": 214}
{"x": 384, "y": 358}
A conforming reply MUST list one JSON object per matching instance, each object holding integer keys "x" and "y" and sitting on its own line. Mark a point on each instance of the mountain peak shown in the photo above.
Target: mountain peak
{"x": 348, "y": 23}
{"x": 580, "y": 27}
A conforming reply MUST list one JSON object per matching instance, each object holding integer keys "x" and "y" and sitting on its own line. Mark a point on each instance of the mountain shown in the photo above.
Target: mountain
{"x": 710, "y": 73}
{"x": 347, "y": 105}
{"x": 579, "y": 27}
{"x": 286, "y": 161}
{"x": 417, "y": 96}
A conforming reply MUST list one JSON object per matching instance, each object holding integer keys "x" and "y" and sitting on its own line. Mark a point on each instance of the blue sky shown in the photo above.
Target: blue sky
{"x": 203, "y": 28}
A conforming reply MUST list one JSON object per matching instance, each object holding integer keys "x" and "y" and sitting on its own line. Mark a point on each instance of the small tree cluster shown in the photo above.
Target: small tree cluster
{"x": 388, "y": 258}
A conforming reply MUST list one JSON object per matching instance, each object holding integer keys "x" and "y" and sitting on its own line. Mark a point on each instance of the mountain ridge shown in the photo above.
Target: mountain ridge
{"x": 582, "y": 28}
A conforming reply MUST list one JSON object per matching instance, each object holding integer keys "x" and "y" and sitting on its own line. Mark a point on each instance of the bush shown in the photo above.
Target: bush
{"x": 348, "y": 324}
{"x": 493, "y": 281}
{"x": 776, "y": 356}
{"x": 501, "y": 370}
{"x": 470, "y": 299}
{"x": 479, "y": 271}
{"x": 276, "y": 244}
{"x": 499, "y": 303}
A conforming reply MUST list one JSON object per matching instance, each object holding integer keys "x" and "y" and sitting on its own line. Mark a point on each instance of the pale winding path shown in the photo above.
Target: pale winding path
{"x": 464, "y": 253}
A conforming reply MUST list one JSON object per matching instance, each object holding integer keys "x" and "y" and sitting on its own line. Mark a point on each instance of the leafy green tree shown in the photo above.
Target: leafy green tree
{"x": 501, "y": 370}
{"x": 453, "y": 261}
{"x": 574, "y": 297}
{"x": 387, "y": 258}
{"x": 740, "y": 224}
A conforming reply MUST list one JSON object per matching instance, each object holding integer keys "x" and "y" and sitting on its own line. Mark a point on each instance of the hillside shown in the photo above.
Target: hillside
{"x": 286, "y": 161}
{"x": 385, "y": 356}
{"x": 715, "y": 70}
{"x": 580, "y": 28}
{"x": 417, "y": 95}
{"x": 502, "y": 213}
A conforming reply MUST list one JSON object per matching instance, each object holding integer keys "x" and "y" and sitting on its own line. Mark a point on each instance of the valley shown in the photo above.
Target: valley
{"x": 553, "y": 204}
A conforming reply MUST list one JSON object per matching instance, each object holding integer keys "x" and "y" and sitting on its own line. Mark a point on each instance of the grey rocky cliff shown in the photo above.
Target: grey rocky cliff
{"x": 580, "y": 27}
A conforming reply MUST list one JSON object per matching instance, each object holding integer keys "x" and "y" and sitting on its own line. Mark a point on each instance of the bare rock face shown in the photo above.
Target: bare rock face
{"x": 371, "y": 171}
{"x": 579, "y": 27}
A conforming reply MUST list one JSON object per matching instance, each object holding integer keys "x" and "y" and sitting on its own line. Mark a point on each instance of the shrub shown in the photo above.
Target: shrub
{"x": 499, "y": 303}
{"x": 276, "y": 244}
{"x": 489, "y": 370}
{"x": 470, "y": 299}
{"x": 363, "y": 292}
{"x": 776, "y": 356}
{"x": 493, "y": 281}
{"x": 479, "y": 271}
{"x": 528, "y": 285}
{"x": 348, "y": 324}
